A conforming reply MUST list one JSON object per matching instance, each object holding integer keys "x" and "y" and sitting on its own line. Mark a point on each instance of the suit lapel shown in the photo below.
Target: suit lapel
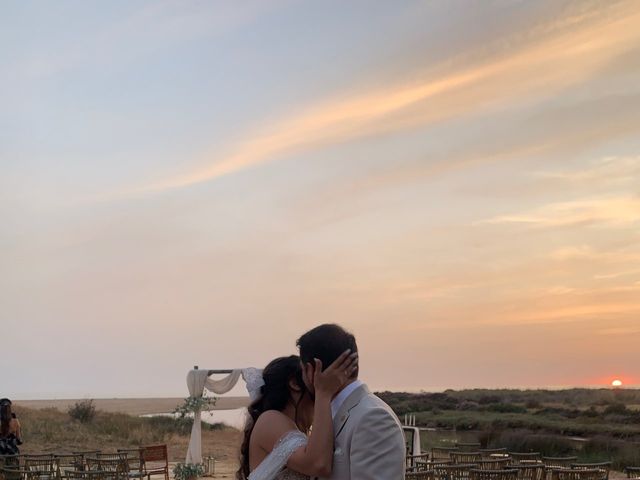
{"x": 350, "y": 403}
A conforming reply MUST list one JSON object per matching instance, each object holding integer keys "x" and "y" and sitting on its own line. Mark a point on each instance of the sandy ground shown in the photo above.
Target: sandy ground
{"x": 224, "y": 446}
{"x": 131, "y": 406}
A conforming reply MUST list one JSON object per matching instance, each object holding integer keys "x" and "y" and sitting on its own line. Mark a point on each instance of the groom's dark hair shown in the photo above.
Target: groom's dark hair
{"x": 326, "y": 343}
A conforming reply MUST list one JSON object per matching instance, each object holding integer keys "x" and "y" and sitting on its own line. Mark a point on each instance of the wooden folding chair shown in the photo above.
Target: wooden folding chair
{"x": 453, "y": 471}
{"x": 68, "y": 462}
{"x": 85, "y": 454}
{"x": 111, "y": 466}
{"x": 155, "y": 460}
{"x": 134, "y": 462}
{"x": 44, "y": 467}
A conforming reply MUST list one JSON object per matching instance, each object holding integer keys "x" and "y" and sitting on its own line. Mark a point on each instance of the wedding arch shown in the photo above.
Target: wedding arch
{"x": 197, "y": 381}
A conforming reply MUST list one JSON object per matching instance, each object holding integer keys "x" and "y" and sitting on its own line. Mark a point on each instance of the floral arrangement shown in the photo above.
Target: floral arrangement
{"x": 187, "y": 471}
{"x": 193, "y": 404}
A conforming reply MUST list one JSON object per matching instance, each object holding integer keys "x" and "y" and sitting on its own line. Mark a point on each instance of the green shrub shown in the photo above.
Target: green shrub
{"x": 526, "y": 441}
{"x": 617, "y": 409}
{"x": 506, "y": 408}
{"x": 83, "y": 411}
{"x": 533, "y": 404}
{"x": 187, "y": 471}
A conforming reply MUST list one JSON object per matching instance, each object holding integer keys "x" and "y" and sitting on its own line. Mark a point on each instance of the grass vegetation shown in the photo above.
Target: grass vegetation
{"x": 83, "y": 427}
{"x": 595, "y": 425}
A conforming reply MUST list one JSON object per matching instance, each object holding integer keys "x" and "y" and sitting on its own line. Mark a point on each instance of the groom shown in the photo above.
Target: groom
{"x": 369, "y": 442}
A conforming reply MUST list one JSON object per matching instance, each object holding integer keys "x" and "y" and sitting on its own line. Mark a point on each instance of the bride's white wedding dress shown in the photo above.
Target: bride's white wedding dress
{"x": 273, "y": 467}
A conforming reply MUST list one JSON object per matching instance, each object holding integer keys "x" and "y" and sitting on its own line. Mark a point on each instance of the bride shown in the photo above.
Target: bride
{"x": 277, "y": 442}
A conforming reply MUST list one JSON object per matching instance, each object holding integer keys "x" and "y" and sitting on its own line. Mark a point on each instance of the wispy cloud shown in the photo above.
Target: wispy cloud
{"x": 538, "y": 68}
{"x": 609, "y": 170}
{"x": 574, "y": 313}
{"x": 587, "y": 252}
{"x": 618, "y": 331}
{"x": 610, "y": 210}
{"x": 558, "y": 132}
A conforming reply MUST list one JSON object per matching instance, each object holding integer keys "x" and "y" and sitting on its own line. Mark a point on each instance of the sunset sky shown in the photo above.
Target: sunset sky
{"x": 199, "y": 182}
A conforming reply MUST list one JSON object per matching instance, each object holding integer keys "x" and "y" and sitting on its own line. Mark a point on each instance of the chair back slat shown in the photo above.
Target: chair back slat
{"x": 633, "y": 472}
{"x": 155, "y": 460}
{"x": 442, "y": 453}
{"x": 604, "y": 467}
{"x": 68, "y": 462}
{"x": 531, "y": 472}
{"x": 558, "y": 462}
{"x": 111, "y": 466}
{"x": 134, "y": 459}
{"x": 419, "y": 475}
{"x": 86, "y": 475}
{"x": 493, "y": 463}
{"x": 416, "y": 460}
{"x": 40, "y": 467}
{"x": 155, "y": 453}
{"x": 466, "y": 457}
{"x": 453, "y": 471}
{"x": 579, "y": 474}
{"x": 521, "y": 457}
{"x": 493, "y": 452}
{"x": 503, "y": 474}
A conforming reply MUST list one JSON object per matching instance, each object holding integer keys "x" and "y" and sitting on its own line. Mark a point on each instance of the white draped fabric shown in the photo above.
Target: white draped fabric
{"x": 197, "y": 381}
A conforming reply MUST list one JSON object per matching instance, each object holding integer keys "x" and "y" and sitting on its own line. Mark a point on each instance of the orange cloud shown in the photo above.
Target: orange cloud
{"x": 548, "y": 64}
{"x": 613, "y": 210}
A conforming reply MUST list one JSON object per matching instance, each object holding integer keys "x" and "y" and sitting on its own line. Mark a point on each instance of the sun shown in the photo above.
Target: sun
{"x": 616, "y": 383}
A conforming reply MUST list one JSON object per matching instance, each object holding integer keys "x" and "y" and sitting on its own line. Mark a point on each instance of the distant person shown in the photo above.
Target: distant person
{"x": 369, "y": 441}
{"x": 10, "y": 434}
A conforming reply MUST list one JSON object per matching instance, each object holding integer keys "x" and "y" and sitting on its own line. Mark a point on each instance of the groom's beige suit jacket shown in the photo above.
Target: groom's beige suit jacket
{"x": 369, "y": 441}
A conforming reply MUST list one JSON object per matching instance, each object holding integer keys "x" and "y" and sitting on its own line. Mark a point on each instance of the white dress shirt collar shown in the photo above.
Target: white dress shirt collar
{"x": 339, "y": 399}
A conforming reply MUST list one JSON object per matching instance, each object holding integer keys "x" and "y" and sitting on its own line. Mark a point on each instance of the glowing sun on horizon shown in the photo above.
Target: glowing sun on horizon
{"x": 616, "y": 383}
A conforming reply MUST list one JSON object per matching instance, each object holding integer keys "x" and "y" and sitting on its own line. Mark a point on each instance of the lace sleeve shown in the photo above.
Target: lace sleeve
{"x": 277, "y": 459}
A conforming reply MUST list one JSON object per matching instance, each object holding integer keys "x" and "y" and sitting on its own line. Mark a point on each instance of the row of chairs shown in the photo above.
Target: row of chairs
{"x": 499, "y": 455}
{"x": 125, "y": 464}
{"x": 469, "y": 472}
{"x": 466, "y": 455}
{"x": 452, "y": 463}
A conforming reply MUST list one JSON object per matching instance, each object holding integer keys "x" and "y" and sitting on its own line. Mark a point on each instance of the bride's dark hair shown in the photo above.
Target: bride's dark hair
{"x": 275, "y": 395}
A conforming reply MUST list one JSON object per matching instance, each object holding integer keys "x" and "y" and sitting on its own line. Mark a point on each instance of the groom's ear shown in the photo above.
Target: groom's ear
{"x": 310, "y": 372}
